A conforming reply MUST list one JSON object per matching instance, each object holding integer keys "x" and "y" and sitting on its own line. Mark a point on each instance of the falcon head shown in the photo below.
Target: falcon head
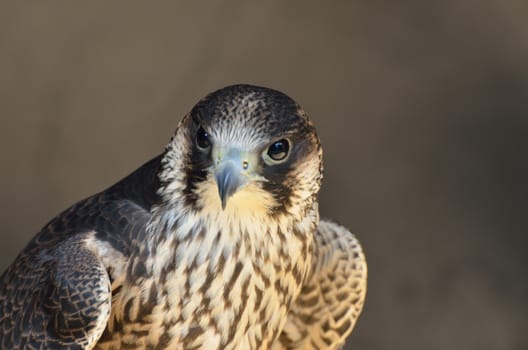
{"x": 243, "y": 148}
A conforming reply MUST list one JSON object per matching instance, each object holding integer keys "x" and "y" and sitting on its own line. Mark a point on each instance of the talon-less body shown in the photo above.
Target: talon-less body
{"x": 214, "y": 244}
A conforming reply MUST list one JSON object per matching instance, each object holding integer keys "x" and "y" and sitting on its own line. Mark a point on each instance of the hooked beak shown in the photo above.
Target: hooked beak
{"x": 230, "y": 175}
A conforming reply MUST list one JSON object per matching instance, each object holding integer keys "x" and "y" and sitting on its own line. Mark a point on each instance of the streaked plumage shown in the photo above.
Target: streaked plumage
{"x": 214, "y": 244}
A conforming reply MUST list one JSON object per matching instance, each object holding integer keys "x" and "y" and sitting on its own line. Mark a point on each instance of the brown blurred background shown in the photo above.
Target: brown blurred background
{"x": 422, "y": 107}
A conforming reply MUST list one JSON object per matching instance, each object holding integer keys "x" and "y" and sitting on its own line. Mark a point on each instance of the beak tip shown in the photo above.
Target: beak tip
{"x": 223, "y": 196}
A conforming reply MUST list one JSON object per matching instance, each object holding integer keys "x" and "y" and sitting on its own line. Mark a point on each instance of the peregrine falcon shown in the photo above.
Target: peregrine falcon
{"x": 214, "y": 244}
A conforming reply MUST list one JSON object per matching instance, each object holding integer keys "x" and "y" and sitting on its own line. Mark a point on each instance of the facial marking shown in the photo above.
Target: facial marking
{"x": 242, "y": 124}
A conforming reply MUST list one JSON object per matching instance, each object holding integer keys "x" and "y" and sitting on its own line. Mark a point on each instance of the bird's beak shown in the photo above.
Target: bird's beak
{"x": 231, "y": 173}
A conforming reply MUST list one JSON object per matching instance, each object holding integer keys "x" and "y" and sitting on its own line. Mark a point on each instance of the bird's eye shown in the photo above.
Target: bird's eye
{"x": 279, "y": 150}
{"x": 202, "y": 139}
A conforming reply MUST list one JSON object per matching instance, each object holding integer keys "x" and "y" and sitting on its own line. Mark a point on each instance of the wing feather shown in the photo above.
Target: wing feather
{"x": 332, "y": 298}
{"x": 57, "y": 298}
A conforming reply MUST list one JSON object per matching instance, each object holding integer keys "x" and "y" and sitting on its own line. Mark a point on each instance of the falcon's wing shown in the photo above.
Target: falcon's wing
{"x": 57, "y": 293}
{"x": 55, "y": 299}
{"x": 332, "y": 297}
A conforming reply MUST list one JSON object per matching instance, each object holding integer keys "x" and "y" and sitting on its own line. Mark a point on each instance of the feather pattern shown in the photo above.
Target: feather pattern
{"x": 160, "y": 261}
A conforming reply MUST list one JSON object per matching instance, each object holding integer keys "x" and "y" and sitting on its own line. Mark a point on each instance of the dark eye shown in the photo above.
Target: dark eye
{"x": 202, "y": 139}
{"x": 279, "y": 150}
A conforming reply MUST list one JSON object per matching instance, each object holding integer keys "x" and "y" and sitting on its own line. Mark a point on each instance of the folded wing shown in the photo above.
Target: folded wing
{"x": 332, "y": 298}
